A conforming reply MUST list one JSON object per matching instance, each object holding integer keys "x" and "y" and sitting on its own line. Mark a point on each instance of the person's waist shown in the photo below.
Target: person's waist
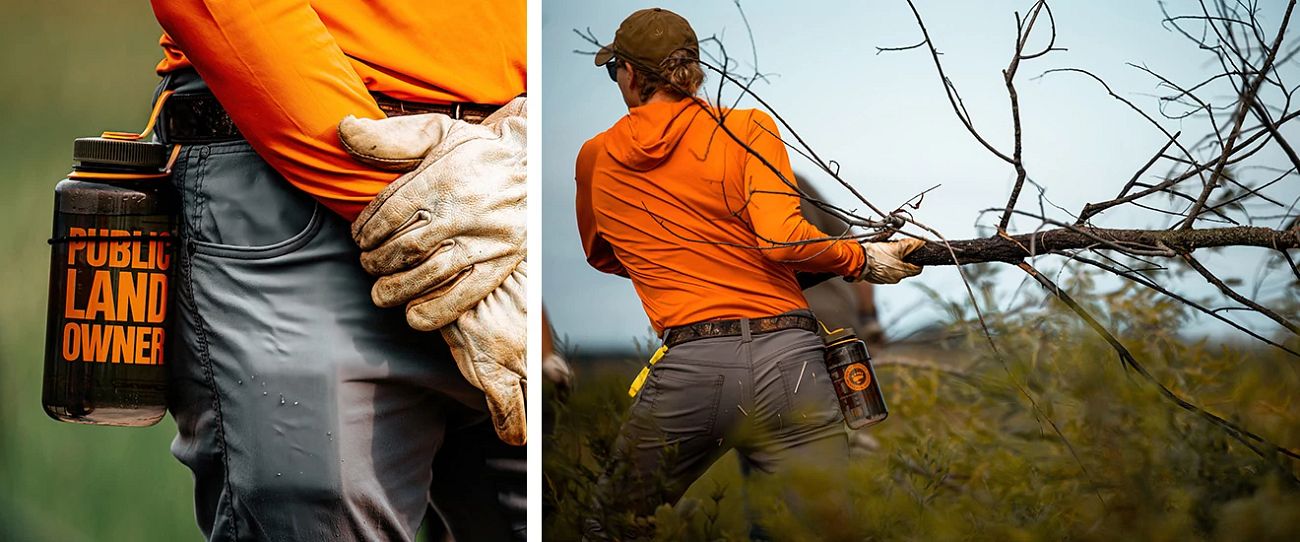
{"x": 469, "y": 81}
{"x": 739, "y": 327}
{"x": 198, "y": 117}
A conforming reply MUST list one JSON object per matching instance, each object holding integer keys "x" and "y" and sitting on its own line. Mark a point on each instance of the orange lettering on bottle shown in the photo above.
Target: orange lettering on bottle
{"x": 157, "y": 346}
{"x": 96, "y": 251}
{"x": 123, "y": 344}
{"x": 94, "y": 347}
{"x": 119, "y": 251}
{"x": 143, "y": 350}
{"x": 161, "y": 257}
{"x": 157, "y": 297}
{"x": 137, "y": 253}
{"x": 132, "y": 289}
{"x": 71, "y": 341}
{"x": 69, "y": 306}
{"x": 74, "y": 246}
{"x": 101, "y": 296}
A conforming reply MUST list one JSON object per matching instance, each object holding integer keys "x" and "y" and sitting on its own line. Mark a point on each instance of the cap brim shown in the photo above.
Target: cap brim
{"x": 604, "y": 54}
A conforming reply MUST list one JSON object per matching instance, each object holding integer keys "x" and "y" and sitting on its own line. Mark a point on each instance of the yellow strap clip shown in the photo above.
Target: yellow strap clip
{"x": 829, "y": 331}
{"x": 645, "y": 371}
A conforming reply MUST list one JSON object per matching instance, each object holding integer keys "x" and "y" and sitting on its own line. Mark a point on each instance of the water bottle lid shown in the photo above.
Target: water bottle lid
{"x": 93, "y": 152}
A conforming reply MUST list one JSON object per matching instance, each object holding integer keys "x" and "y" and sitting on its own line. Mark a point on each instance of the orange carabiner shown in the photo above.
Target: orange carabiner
{"x": 148, "y": 128}
{"x": 130, "y": 136}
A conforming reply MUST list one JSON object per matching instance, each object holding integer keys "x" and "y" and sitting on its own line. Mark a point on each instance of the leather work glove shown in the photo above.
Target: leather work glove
{"x": 489, "y": 342}
{"x": 447, "y": 240}
{"x": 885, "y": 263}
{"x": 444, "y": 235}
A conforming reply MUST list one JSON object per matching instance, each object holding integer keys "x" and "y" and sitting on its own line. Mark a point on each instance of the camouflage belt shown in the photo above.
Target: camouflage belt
{"x": 731, "y": 328}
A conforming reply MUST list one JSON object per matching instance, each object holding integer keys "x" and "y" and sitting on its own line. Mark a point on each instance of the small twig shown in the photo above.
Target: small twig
{"x": 1228, "y": 291}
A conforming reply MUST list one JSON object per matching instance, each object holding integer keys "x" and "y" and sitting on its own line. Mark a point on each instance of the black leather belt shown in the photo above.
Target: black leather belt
{"x": 199, "y": 118}
{"x": 674, "y": 336}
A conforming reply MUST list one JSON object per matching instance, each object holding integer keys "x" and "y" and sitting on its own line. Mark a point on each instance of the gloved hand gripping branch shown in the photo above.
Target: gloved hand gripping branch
{"x": 447, "y": 240}
{"x": 884, "y": 263}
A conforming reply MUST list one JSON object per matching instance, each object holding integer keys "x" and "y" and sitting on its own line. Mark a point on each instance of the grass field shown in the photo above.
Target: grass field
{"x": 71, "y": 69}
{"x": 1098, "y": 454}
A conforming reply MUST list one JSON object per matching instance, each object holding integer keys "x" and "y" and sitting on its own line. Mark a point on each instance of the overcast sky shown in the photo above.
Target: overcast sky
{"x": 884, "y": 118}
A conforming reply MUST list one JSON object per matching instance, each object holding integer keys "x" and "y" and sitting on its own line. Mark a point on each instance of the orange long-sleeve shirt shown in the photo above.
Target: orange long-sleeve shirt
{"x": 702, "y": 227}
{"x": 287, "y": 71}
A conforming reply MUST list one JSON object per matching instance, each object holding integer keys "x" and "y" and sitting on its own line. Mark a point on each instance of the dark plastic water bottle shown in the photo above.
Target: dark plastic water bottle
{"x": 855, "y": 382}
{"x": 110, "y": 276}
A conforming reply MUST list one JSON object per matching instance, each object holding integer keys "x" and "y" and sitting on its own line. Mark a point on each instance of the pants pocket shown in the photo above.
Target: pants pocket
{"x": 236, "y": 205}
{"x": 810, "y": 396}
{"x": 684, "y": 402}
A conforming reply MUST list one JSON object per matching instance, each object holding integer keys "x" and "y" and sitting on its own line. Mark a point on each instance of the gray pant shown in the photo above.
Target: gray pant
{"x": 305, "y": 412}
{"x": 766, "y": 395}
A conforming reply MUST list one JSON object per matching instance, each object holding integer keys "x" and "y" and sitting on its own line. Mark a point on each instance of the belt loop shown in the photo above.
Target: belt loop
{"x": 160, "y": 127}
{"x": 744, "y": 330}
{"x": 455, "y": 111}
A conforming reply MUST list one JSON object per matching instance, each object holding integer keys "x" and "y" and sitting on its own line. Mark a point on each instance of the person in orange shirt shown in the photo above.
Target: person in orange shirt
{"x": 304, "y": 410}
{"x": 709, "y": 231}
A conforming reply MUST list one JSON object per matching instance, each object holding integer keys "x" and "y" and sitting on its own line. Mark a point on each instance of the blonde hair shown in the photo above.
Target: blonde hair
{"x": 679, "y": 74}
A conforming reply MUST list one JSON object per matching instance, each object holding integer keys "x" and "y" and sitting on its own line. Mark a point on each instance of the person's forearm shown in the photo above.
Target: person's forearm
{"x": 780, "y": 230}
{"x": 793, "y": 241}
{"x": 286, "y": 84}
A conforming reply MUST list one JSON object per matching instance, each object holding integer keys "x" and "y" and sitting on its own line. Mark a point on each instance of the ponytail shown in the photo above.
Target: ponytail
{"x": 679, "y": 74}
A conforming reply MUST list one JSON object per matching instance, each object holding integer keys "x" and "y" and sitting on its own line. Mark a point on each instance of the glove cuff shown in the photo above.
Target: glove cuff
{"x": 867, "y": 261}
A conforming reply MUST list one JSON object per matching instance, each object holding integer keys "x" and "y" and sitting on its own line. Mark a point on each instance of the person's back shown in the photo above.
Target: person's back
{"x": 698, "y": 221}
{"x": 458, "y": 52}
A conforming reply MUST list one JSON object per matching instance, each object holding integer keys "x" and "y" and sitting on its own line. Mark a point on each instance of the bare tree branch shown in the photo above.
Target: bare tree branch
{"x": 1247, "y": 99}
{"x": 1013, "y": 249}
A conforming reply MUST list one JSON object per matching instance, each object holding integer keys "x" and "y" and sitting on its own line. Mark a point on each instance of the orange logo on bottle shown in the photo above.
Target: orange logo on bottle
{"x": 118, "y": 317}
{"x": 857, "y": 377}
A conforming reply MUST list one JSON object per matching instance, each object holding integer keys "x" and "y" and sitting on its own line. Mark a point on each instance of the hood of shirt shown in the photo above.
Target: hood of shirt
{"x": 649, "y": 134}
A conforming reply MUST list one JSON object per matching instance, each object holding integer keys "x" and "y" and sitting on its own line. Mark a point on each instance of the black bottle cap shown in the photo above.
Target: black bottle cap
{"x": 99, "y": 153}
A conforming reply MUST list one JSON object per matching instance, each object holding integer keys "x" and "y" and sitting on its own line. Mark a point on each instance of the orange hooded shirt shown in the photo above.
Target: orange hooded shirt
{"x": 701, "y": 226}
{"x": 287, "y": 71}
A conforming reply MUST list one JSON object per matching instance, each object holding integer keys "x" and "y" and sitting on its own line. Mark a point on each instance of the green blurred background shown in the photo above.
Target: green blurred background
{"x": 70, "y": 69}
